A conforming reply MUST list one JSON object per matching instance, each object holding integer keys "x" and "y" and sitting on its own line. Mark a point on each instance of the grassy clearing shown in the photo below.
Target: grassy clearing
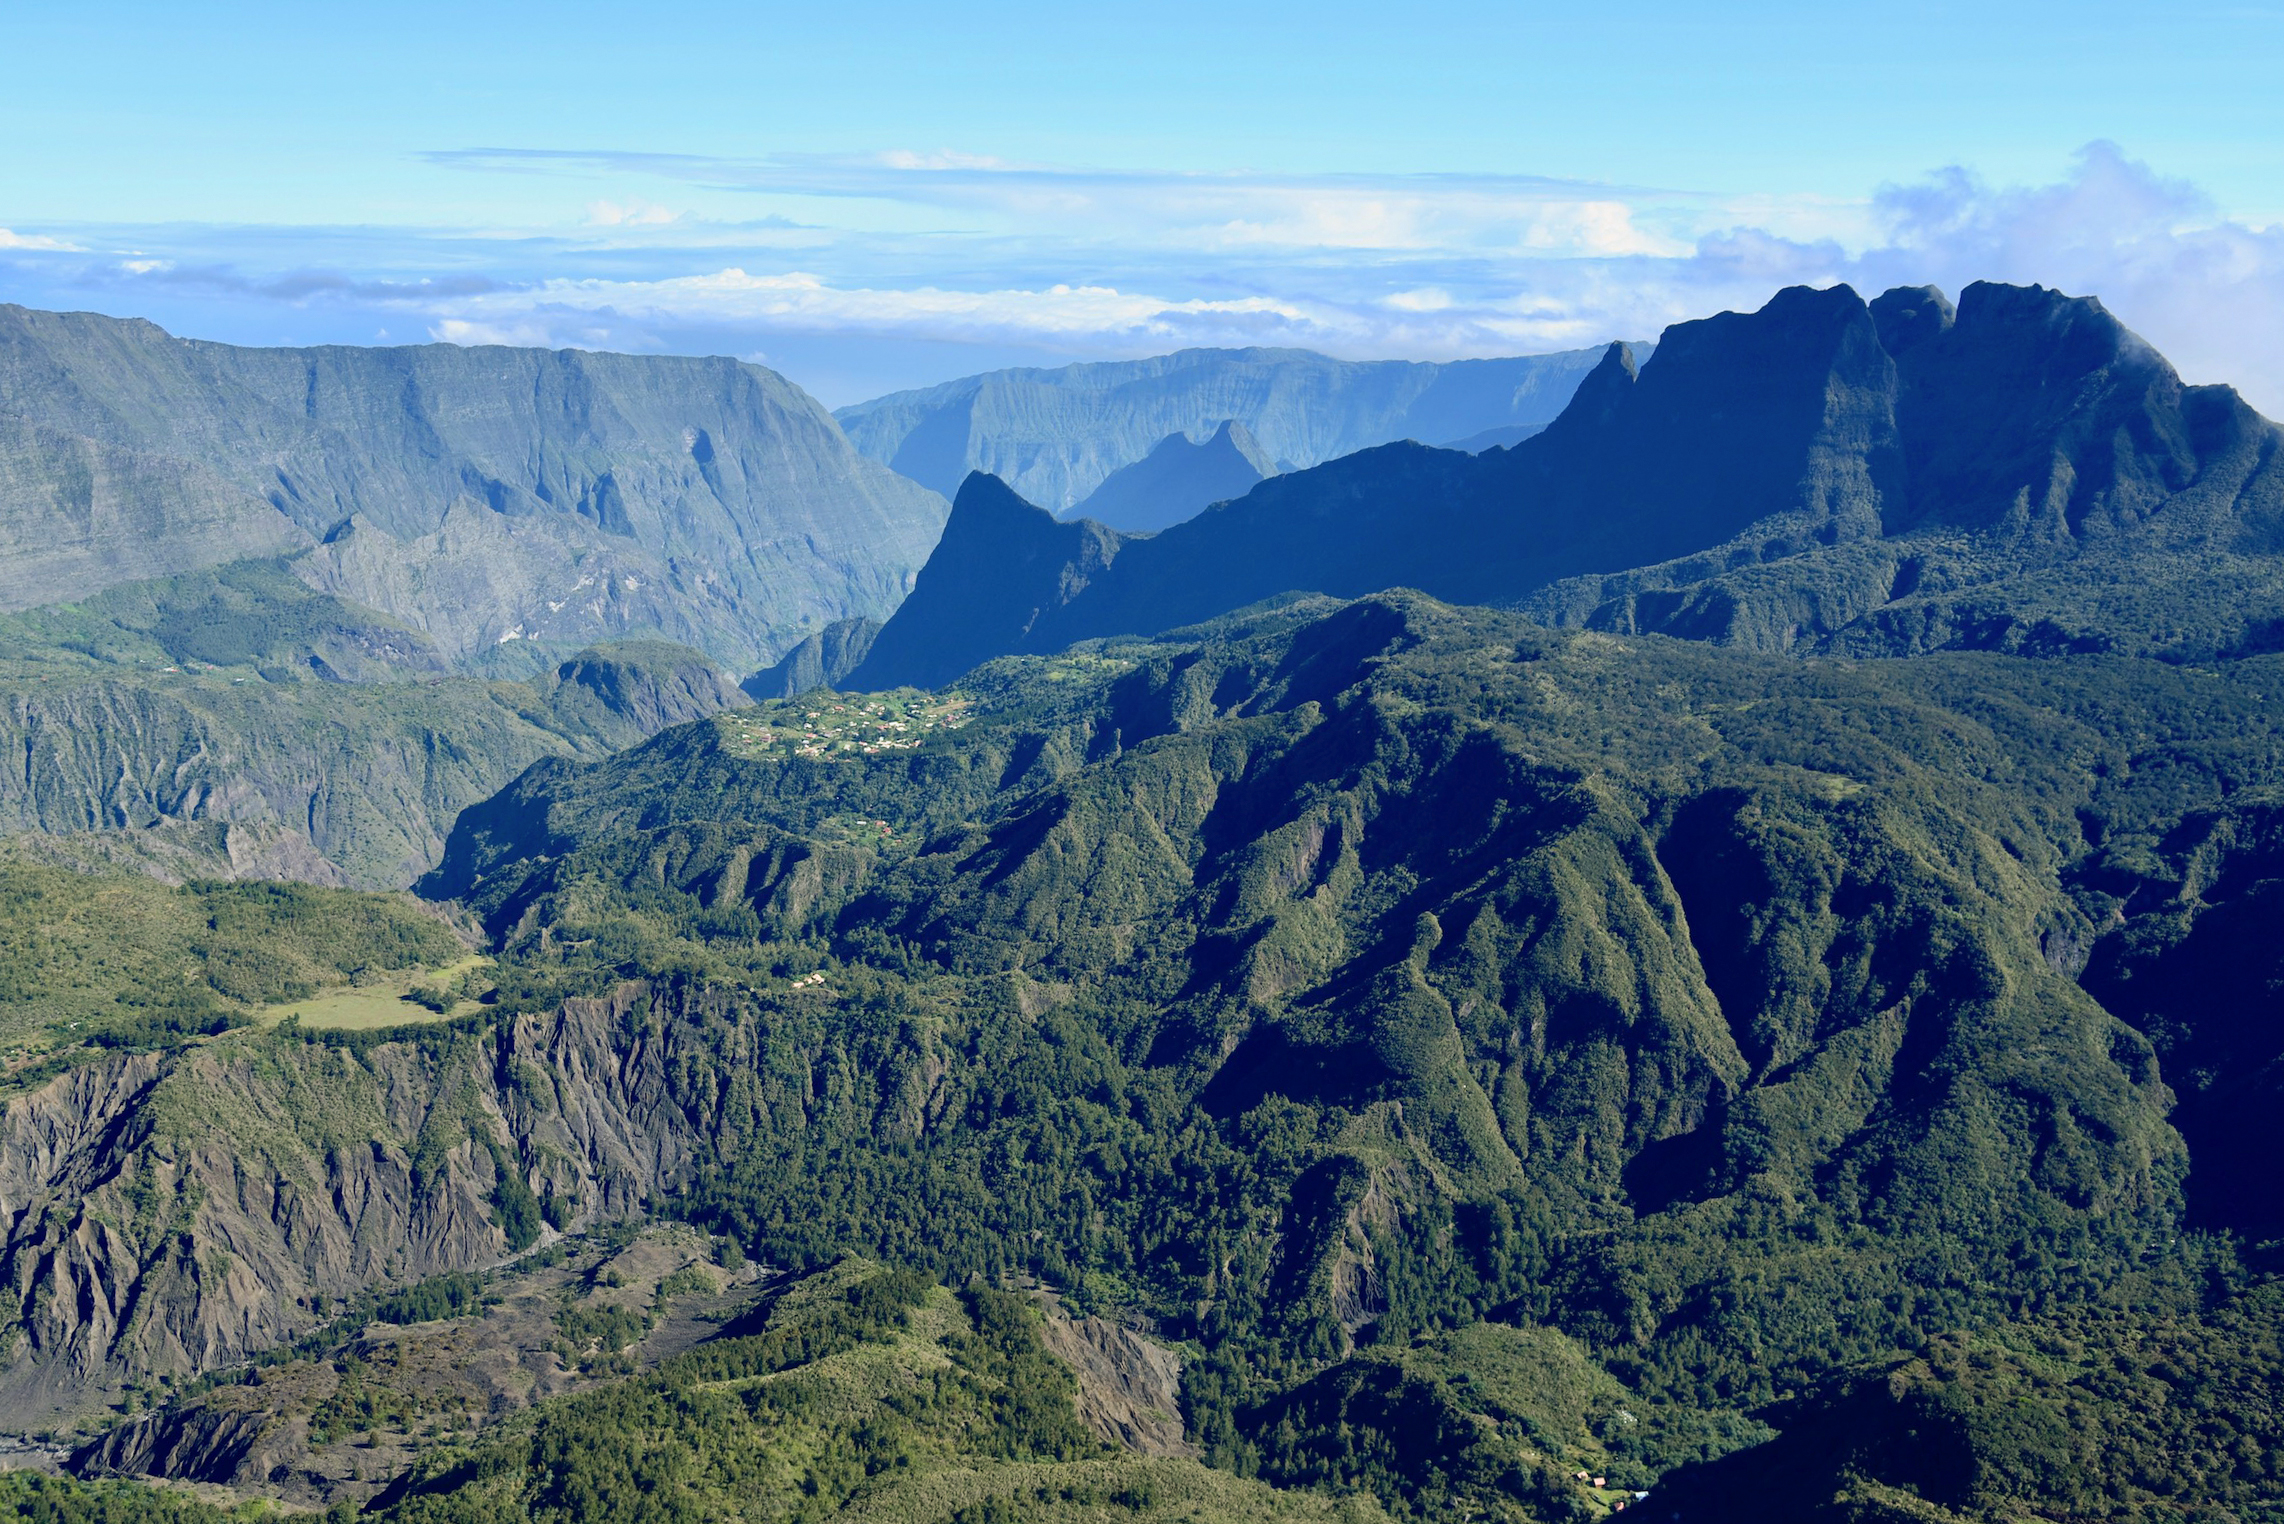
{"x": 385, "y": 1004}
{"x": 121, "y": 960}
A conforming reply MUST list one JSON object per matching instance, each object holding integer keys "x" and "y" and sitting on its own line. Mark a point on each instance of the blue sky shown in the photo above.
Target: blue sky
{"x": 877, "y": 196}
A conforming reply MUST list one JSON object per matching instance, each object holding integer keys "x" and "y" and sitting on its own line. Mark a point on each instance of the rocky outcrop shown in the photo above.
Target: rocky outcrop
{"x": 175, "y": 851}
{"x": 1130, "y": 1387}
{"x": 1780, "y": 479}
{"x": 320, "y": 781}
{"x": 234, "y": 1434}
{"x": 1002, "y": 568}
{"x": 1178, "y": 479}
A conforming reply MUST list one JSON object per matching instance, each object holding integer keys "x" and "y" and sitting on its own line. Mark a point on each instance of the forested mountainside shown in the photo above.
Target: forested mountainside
{"x": 1824, "y": 474}
{"x": 512, "y": 504}
{"x": 1055, "y": 435}
{"x": 232, "y": 722}
{"x": 1512, "y": 1069}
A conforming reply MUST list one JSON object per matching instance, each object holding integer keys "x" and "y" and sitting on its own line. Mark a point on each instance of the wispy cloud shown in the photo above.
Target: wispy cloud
{"x": 1163, "y": 209}
{"x": 629, "y": 214}
{"x": 937, "y": 259}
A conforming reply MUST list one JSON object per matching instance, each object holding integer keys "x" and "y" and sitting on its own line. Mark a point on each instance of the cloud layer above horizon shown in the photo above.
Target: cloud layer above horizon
{"x": 862, "y": 275}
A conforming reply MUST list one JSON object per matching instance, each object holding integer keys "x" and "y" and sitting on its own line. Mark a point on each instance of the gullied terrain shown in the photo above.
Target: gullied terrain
{"x": 232, "y": 722}
{"x": 1498, "y": 1059}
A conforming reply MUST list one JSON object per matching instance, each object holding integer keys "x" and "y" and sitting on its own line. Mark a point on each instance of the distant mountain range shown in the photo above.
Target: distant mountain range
{"x": 511, "y": 504}
{"x": 1056, "y": 435}
{"x": 1824, "y": 474}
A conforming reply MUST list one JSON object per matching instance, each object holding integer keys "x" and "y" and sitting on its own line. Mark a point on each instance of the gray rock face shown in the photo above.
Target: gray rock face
{"x": 1178, "y": 480}
{"x": 176, "y": 850}
{"x": 1130, "y": 1387}
{"x": 483, "y": 496}
{"x": 324, "y": 780}
{"x": 1056, "y": 435}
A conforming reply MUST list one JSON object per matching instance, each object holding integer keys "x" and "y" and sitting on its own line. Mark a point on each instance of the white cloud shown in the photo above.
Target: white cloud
{"x": 2206, "y": 290}
{"x": 801, "y": 300}
{"x": 31, "y": 242}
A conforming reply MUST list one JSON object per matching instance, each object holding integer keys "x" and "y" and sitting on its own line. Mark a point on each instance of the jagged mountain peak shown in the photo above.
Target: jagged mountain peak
{"x": 1178, "y": 478}
{"x": 1002, "y": 564}
{"x": 1056, "y": 436}
{"x": 1909, "y": 315}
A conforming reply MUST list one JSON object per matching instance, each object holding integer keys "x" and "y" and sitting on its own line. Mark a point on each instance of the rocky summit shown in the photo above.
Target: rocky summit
{"x": 1179, "y": 478}
{"x": 1718, "y": 958}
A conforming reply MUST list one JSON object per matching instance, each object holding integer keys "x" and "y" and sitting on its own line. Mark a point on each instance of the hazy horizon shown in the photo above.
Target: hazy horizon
{"x": 876, "y": 207}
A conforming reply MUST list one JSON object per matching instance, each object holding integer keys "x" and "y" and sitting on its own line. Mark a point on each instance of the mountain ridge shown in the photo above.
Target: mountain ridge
{"x": 1781, "y": 480}
{"x": 1178, "y": 478}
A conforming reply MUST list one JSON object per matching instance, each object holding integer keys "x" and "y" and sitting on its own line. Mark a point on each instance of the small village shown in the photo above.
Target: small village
{"x": 830, "y": 726}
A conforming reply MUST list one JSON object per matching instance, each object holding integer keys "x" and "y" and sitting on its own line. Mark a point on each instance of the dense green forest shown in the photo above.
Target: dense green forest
{"x": 1519, "y": 1070}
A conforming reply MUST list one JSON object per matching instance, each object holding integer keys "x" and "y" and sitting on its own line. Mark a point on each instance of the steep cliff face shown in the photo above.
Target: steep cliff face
{"x": 1002, "y": 569}
{"x": 484, "y": 496}
{"x": 2044, "y": 484}
{"x": 167, "y": 1214}
{"x": 1129, "y": 1387}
